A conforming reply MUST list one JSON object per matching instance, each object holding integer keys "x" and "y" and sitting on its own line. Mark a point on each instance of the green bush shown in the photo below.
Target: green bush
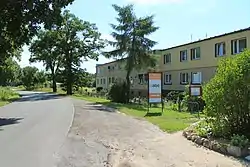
{"x": 6, "y": 93}
{"x": 227, "y": 96}
{"x": 239, "y": 141}
{"x": 204, "y": 129}
{"x": 118, "y": 93}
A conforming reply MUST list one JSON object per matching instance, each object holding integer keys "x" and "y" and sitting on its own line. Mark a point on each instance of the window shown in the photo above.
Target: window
{"x": 101, "y": 81}
{"x": 238, "y": 45}
{"x": 195, "y": 53}
{"x": 168, "y": 79}
{"x": 113, "y": 80}
{"x": 183, "y": 78}
{"x": 140, "y": 76}
{"x": 109, "y": 80}
{"x": 97, "y": 81}
{"x": 183, "y": 55}
{"x": 104, "y": 81}
{"x": 167, "y": 58}
{"x": 196, "y": 77}
{"x": 220, "y": 49}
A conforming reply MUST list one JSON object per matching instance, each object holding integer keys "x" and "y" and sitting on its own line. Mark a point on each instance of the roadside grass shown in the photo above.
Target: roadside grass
{"x": 169, "y": 121}
{"x": 7, "y": 95}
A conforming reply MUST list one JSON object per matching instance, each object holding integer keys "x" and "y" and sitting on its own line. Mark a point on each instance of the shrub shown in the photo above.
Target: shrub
{"x": 118, "y": 93}
{"x": 6, "y": 93}
{"x": 239, "y": 141}
{"x": 204, "y": 129}
{"x": 98, "y": 89}
{"x": 227, "y": 95}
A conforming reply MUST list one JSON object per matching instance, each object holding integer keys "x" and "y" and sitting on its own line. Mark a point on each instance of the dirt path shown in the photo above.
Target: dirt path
{"x": 100, "y": 138}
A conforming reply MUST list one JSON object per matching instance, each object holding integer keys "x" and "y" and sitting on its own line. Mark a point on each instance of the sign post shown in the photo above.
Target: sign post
{"x": 195, "y": 90}
{"x": 155, "y": 89}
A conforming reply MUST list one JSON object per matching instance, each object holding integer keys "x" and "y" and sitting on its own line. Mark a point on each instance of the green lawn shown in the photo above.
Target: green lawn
{"x": 170, "y": 121}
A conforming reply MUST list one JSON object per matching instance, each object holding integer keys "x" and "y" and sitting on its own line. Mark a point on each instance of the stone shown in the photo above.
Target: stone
{"x": 193, "y": 138}
{"x": 215, "y": 146}
{"x": 223, "y": 150}
{"x": 184, "y": 133}
{"x": 198, "y": 140}
{"x": 237, "y": 151}
{"x": 206, "y": 143}
{"x": 189, "y": 137}
{"x": 247, "y": 158}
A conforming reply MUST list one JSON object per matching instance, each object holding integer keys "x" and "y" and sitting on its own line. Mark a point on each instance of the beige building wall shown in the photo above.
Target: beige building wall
{"x": 206, "y": 64}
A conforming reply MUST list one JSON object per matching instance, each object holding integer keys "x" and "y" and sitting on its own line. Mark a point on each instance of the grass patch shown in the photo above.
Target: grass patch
{"x": 169, "y": 120}
{"x": 7, "y": 95}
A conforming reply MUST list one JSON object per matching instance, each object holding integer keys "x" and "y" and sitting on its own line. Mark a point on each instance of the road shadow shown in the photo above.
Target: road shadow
{"x": 9, "y": 121}
{"x": 96, "y": 107}
{"x": 38, "y": 97}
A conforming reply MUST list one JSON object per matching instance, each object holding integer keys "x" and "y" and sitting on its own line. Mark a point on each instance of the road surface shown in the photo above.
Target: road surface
{"x": 33, "y": 129}
{"x": 99, "y": 138}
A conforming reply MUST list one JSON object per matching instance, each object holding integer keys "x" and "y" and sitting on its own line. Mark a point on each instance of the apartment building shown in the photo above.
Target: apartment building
{"x": 192, "y": 63}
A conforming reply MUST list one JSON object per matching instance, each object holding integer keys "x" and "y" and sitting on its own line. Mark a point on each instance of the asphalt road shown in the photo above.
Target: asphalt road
{"x": 33, "y": 129}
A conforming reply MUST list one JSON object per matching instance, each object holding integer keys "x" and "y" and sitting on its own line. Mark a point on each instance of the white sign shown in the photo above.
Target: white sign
{"x": 154, "y": 87}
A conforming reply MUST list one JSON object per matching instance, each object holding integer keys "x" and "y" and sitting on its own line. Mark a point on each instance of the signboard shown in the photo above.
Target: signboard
{"x": 195, "y": 90}
{"x": 154, "y": 88}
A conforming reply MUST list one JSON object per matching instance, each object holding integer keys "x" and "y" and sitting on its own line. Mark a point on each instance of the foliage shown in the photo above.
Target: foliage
{"x": 46, "y": 49}
{"x": 204, "y": 129}
{"x": 227, "y": 96}
{"x": 31, "y": 77}
{"x": 21, "y": 20}
{"x": 77, "y": 41}
{"x": 10, "y": 73}
{"x": 117, "y": 92}
{"x": 6, "y": 93}
{"x": 239, "y": 141}
{"x": 130, "y": 41}
{"x": 98, "y": 89}
{"x": 174, "y": 96}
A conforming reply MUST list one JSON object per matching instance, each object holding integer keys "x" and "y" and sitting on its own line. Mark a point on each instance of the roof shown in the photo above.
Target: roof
{"x": 230, "y": 33}
{"x": 218, "y": 36}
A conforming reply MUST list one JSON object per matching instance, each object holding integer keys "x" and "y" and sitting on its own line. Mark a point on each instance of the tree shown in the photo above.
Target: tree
{"x": 227, "y": 96}
{"x": 21, "y": 20}
{"x": 79, "y": 40}
{"x": 29, "y": 78}
{"x": 10, "y": 73}
{"x": 130, "y": 35}
{"x": 46, "y": 49}
{"x": 41, "y": 78}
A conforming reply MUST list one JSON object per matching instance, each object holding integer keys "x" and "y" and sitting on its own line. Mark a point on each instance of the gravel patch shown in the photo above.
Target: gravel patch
{"x": 102, "y": 138}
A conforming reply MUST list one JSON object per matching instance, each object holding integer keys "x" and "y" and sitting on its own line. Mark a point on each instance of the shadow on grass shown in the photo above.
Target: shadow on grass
{"x": 9, "y": 121}
{"x": 119, "y": 105}
{"x": 156, "y": 114}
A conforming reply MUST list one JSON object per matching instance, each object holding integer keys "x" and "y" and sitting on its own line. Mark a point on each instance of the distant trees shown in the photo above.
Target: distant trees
{"x": 131, "y": 41}
{"x": 66, "y": 46}
{"x": 32, "y": 77}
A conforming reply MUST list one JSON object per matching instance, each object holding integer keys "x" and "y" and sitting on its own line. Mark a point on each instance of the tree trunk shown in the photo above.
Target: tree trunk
{"x": 54, "y": 83}
{"x": 69, "y": 81}
{"x": 128, "y": 86}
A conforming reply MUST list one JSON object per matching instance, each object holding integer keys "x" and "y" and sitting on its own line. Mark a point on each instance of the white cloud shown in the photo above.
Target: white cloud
{"x": 153, "y": 2}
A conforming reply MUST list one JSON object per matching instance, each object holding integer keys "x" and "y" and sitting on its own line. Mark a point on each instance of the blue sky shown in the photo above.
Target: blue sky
{"x": 177, "y": 19}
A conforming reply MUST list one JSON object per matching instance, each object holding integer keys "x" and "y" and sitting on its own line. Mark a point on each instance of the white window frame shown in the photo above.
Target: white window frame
{"x": 237, "y": 51}
{"x": 165, "y": 58}
{"x": 194, "y": 57}
{"x": 219, "y": 49}
{"x": 197, "y": 80}
{"x": 167, "y": 78}
{"x": 182, "y": 55}
{"x": 186, "y": 78}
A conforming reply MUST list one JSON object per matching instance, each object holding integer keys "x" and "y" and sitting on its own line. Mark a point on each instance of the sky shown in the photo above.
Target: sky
{"x": 177, "y": 20}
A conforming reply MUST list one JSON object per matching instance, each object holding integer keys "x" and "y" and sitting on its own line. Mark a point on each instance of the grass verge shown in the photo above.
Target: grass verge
{"x": 169, "y": 120}
{"x": 7, "y": 95}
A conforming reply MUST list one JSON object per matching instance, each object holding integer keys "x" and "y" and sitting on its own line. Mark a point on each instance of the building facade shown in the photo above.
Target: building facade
{"x": 192, "y": 63}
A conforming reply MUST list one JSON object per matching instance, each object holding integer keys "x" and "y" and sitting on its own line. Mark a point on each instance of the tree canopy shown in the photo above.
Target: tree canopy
{"x": 21, "y": 20}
